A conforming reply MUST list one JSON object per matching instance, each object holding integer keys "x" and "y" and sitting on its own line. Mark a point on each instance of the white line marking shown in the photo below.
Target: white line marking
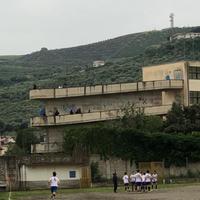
{"x": 9, "y": 197}
{"x": 10, "y": 192}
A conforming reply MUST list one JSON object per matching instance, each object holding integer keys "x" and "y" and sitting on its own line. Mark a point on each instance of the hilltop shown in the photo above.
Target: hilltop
{"x": 124, "y": 58}
{"x": 125, "y": 46}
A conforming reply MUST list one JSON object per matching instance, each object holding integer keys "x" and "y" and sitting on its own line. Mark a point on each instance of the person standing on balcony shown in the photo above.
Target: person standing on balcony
{"x": 34, "y": 87}
{"x": 43, "y": 112}
{"x": 54, "y": 181}
{"x": 56, "y": 112}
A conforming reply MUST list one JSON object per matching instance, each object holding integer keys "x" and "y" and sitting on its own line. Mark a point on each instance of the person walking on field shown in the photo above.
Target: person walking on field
{"x": 115, "y": 182}
{"x": 54, "y": 182}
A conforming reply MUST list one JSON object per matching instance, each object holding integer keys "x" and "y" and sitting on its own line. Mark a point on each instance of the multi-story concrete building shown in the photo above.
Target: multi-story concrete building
{"x": 161, "y": 86}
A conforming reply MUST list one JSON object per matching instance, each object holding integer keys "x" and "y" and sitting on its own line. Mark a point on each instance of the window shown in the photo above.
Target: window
{"x": 194, "y": 97}
{"x": 72, "y": 174}
{"x": 178, "y": 74}
{"x": 194, "y": 73}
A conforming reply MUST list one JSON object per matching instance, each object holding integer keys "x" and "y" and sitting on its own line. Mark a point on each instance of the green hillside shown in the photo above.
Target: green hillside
{"x": 124, "y": 58}
{"x": 124, "y": 46}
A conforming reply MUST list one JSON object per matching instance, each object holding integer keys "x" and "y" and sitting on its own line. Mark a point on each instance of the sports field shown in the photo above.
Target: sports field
{"x": 168, "y": 192}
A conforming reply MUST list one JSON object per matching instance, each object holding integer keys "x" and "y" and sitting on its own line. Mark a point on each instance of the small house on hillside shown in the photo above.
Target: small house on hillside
{"x": 98, "y": 63}
{"x": 190, "y": 35}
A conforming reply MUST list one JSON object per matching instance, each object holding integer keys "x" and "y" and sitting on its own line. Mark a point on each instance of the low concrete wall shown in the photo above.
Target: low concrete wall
{"x": 44, "y": 184}
{"x": 108, "y": 167}
{"x": 9, "y": 172}
{"x": 187, "y": 171}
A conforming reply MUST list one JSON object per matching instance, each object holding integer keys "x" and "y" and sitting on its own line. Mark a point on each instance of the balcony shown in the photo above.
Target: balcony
{"x": 105, "y": 89}
{"x": 92, "y": 117}
{"x": 46, "y": 147}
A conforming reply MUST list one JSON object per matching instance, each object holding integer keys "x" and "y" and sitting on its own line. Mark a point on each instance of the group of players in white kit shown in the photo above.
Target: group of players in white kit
{"x": 140, "y": 181}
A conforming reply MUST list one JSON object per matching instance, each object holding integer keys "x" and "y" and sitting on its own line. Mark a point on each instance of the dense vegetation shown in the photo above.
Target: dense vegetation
{"x": 142, "y": 138}
{"x": 134, "y": 137}
{"x": 124, "y": 58}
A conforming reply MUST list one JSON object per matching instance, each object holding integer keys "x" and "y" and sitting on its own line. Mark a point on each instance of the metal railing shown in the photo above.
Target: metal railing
{"x": 105, "y": 89}
{"x": 47, "y": 147}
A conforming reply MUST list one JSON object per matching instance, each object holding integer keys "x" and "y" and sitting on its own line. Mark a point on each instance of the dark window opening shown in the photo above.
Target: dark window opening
{"x": 194, "y": 97}
{"x": 194, "y": 73}
{"x": 72, "y": 174}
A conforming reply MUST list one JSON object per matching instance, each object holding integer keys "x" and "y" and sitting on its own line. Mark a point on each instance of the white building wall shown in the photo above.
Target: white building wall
{"x": 43, "y": 173}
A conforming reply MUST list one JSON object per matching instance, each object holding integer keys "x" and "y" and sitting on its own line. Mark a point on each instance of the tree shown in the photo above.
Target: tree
{"x": 25, "y": 138}
{"x": 183, "y": 119}
{"x": 153, "y": 124}
{"x": 175, "y": 119}
{"x": 2, "y": 127}
{"x": 133, "y": 117}
{"x": 192, "y": 115}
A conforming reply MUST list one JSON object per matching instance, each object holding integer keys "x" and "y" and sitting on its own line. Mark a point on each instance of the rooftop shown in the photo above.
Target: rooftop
{"x": 105, "y": 89}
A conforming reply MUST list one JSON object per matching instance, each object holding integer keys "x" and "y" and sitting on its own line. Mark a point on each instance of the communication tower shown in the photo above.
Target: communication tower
{"x": 171, "y": 16}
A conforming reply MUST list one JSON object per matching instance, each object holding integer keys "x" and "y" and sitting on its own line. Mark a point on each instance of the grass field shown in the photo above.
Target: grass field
{"x": 63, "y": 193}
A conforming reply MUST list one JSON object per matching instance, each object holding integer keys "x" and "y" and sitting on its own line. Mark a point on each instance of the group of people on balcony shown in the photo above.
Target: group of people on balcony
{"x": 55, "y": 112}
{"x": 77, "y": 111}
{"x": 42, "y": 112}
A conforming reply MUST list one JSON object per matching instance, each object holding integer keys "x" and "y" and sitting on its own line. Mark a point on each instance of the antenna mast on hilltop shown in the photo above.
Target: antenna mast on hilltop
{"x": 171, "y": 16}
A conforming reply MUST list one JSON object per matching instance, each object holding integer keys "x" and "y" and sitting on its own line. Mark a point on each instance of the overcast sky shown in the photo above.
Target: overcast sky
{"x": 28, "y": 25}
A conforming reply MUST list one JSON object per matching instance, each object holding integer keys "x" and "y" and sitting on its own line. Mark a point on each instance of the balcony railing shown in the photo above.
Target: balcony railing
{"x": 105, "y": 89}
{"x": 46, "y": 147}
{"x": 92, "y": 117}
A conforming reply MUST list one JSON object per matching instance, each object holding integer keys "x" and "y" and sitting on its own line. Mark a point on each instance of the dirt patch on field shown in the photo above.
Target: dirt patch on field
{"x": 184, "y": 193}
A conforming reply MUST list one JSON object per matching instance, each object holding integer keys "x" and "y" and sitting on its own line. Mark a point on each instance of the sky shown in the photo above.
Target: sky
{"x": 28, "y": 25}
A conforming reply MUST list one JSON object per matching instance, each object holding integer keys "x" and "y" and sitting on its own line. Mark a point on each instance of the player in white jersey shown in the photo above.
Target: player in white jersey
{"x": 54, "y": 181}
{"x": 126, "y": 182}
{"x": 154, "y": 179}
{"x": 148, "y": 180}
{"x": 143, "y": 184}
{"x": 132, "y": 180}
{"x": 138, "y": 180}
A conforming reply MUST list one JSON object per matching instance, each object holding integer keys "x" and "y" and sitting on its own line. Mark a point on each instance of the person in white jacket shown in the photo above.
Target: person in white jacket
{"x": 132, "y": 180}
{"x": 154, "y": 180}
{"x": 138, "y": 180}
{"x": 143, "y": 184}
{"x": 126, "y": 182}
{"x": 148, "y": 180}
